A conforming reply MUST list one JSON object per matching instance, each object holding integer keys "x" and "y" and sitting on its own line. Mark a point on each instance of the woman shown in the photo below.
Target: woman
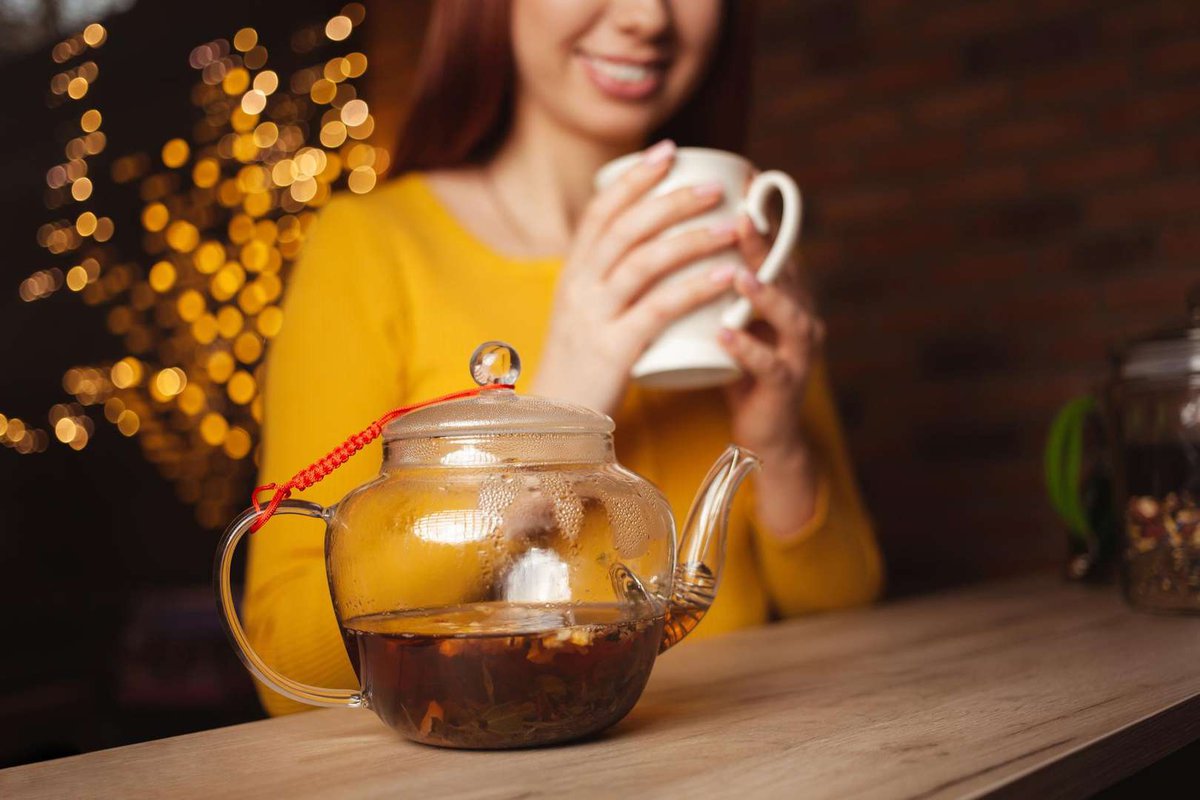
{"x": 494, "y": 233}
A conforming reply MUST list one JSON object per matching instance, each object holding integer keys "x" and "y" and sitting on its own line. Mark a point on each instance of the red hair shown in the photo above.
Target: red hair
{"x": 462, "y": 99}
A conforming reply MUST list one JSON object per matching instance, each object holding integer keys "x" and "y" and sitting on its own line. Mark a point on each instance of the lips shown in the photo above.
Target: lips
{"x": 624, "y": 79}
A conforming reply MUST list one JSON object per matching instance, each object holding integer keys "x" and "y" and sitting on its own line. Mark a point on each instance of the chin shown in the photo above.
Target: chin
{"x": 618, "y": 124}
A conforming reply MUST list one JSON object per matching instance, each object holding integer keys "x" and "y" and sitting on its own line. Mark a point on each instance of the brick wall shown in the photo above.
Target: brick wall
{"x": 996, "y": 191}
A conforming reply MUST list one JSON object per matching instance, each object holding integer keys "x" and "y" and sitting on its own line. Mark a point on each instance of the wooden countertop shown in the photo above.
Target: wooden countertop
{"x": 1012, "y": 688}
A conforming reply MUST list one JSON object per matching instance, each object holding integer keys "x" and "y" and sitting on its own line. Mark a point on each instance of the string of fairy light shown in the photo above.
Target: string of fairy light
{"x": 224, "y": 212}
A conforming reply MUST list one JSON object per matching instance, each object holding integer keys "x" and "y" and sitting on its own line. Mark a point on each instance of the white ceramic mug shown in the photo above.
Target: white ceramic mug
{"x": 687, "y": 354}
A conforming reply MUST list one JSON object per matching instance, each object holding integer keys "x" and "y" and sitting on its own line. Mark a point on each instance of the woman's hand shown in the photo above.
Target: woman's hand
{"x": 610, "y": 302}
{"x": 777, "y": 352}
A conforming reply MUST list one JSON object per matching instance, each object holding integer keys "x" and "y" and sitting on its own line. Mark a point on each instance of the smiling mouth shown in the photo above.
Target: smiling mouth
{"x": 625, "y": 70}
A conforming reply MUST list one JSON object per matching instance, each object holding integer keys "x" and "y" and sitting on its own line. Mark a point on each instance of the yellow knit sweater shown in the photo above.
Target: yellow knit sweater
{"x": 385, "y": 306}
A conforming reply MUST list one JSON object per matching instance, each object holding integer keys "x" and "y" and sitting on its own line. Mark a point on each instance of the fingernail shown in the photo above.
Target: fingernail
{"x": 710, "y": 189}
{"x": 725, "y": 335}
{"x": 723, "y": 229}
{"x": 659, "y": 153}
{"x": 722, "y": 273}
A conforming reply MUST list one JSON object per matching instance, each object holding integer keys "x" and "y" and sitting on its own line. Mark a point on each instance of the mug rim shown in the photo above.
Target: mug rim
{"x": 610, "y": 171}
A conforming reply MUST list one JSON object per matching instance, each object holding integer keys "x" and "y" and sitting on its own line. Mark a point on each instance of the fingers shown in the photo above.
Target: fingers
{"x": 650, "y": 262}
{"x": 798, "y": 329}
{"x": 633, "y": 183}
{"x": 751, "y": 244}
{"x": 669, "y": 300}
{"x": 650, "y": 215}
{"x": 755, "y": 356}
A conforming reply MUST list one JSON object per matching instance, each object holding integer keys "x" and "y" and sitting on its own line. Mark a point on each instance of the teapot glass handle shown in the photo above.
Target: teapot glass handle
{"x": 302, "y": 692}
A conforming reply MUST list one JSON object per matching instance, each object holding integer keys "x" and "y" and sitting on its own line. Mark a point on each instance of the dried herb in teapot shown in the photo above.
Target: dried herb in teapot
{"x": 502, "y": 675}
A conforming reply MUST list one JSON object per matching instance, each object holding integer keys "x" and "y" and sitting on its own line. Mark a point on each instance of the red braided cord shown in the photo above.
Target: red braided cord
{"x": 320, "y": 468}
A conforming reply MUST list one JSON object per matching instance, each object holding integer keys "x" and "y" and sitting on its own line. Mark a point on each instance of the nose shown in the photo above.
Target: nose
{"x": 648, "y": 19}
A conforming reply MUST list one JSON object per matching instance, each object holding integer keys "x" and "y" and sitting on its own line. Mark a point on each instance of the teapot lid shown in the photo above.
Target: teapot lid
{"x": 498, "y": 411}
{"x": 1168, "y": 354}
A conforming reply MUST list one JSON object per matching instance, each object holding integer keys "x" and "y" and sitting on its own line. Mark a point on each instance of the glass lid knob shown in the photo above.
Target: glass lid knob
{"x": 495, "y": 362}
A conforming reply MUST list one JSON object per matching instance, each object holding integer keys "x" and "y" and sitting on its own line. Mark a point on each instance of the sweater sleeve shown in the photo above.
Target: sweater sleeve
{"x": 833, "y": 561}
{"x": 334, "y": 367}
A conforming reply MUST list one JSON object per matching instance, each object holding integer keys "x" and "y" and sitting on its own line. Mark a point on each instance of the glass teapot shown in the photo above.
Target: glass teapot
{"x": 503, "y": 582}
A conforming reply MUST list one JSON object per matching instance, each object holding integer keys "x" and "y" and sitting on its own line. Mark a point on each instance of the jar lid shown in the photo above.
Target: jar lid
{"x": 497, "y": 412}
{"x": 1172, "y": 353}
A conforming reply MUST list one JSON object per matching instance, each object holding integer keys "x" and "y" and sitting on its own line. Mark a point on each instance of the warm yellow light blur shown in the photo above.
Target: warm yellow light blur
{"x": 323, "y": 91}
{"x": 104, "y": 229}
{"x": 162, "y": 276}
{"x": 94, "y": 34}
{"x": 229, "y": 321}
{"x": 266, "y": 81}
{"x": 228, "y": 280}
{"x": 155, "y": 217}
{"x": 209, "y": 257}
{"x": 333, "y": 133}
{"x": 236, "y": 81}
{"x": 190, "y": 305}
{"x": 338, "y": 28}
{"x": 213, "y": 428}
{"x": 361, "y": 180}
{"x": 270, "y": 321}
{"x": 191, "y": 400}
{"x": 126, "y": 372}
{"x": 354, "y": 113}
{"x": 237, "y": 443}
{"x": 170, "y": 381}
{"x": 241, "y": 387}
{"x": 220, "y": 366}
{"x": 254, "y": 255}
{"x": 182, "y": 236}
{"x": 247, "y": 348}
{"x": 77, "y": 88}
{"x": 204, "y": 329}
{"x": 241, "y": 229}
{"x": 85, "y": 224}
{"x": 81, "y": 189}
{"x": 206, "y": 173}
{"x": 128, "y": 423}
{"x": 356, "y": 64}
{"x": 254, "y": 101}
{"x": 90, "y": 120}
{"x": 175, "y": 153}
{"x": 77, "y": 278}
{"x": 266, "y": 134}
{"x": 245, "y": 39}
{"x": 65, "y": 429}
{"x": 304, "y": 189}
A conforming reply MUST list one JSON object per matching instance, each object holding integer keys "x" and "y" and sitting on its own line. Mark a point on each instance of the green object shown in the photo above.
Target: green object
{"x": 1064, "y": 465}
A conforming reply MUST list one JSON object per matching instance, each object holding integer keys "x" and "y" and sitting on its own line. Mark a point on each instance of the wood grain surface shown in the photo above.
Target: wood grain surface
{"x": 1018, "y": 688}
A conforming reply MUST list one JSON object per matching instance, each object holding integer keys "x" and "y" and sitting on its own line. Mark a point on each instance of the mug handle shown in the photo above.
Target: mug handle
{"x": 304, "y": 693}
{"x": 755, "y": 206}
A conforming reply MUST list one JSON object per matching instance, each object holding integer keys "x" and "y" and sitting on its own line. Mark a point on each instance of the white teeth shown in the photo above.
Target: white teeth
{"x": 625, "y": 73}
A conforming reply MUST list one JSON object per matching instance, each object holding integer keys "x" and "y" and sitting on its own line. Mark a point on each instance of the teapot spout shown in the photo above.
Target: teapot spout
{"x": 702, "y": 545}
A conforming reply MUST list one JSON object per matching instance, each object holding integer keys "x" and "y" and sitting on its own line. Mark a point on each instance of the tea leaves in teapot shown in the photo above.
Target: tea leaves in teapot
{"x": 503, "y": 675}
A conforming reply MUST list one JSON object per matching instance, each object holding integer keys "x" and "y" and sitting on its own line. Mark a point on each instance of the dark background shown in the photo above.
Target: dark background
{"x": 996, "y": 192}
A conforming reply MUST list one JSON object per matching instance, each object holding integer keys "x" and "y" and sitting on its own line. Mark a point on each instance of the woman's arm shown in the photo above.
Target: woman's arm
{"x": 818, "y": 548}
{"x": 831, "y": 559}
{"x": 334, "y": 368}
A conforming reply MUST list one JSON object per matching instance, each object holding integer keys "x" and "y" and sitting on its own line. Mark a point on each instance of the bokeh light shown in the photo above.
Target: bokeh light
{"x": 194, "y": 296}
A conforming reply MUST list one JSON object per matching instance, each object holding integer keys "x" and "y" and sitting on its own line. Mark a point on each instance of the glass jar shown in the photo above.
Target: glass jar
{"x": 1155, "y": 413}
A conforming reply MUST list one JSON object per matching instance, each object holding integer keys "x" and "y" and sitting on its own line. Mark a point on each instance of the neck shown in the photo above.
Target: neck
{"x": 550, "y": 168}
